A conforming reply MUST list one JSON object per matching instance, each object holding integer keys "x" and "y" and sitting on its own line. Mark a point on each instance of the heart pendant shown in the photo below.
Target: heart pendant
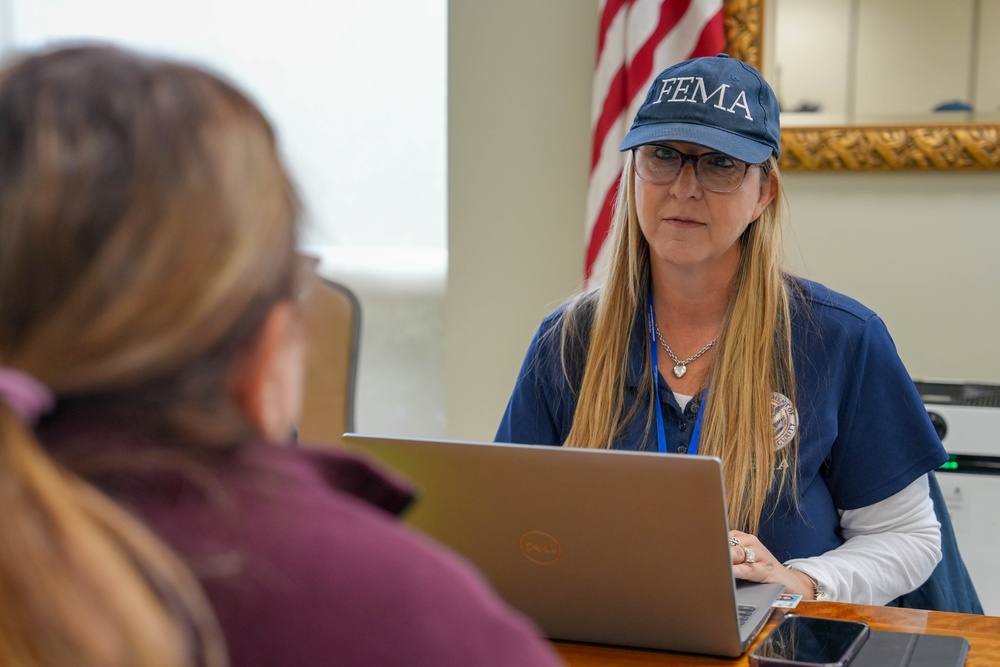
{"x": 680, "y": 370}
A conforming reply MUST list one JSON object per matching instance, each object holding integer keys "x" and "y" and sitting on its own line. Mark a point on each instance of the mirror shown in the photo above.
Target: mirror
{"x": 948, "y": 144}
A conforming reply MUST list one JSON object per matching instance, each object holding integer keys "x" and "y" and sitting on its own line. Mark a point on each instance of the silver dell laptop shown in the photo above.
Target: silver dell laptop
{"x": 606, "y": 547}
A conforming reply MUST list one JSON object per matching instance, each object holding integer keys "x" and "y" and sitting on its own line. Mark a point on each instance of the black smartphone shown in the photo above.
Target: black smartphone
{"x": 807, "y": 641}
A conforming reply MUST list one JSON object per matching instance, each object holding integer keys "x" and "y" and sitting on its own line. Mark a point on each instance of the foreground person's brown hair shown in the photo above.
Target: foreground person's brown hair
{"x": 147, "y": 227}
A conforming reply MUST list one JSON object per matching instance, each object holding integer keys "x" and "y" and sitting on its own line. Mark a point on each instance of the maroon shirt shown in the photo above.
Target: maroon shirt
{"x": 302, "y": 556}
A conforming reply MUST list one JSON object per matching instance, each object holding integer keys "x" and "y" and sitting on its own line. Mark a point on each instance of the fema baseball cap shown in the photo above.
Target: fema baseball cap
{"x": 719, "y": 103}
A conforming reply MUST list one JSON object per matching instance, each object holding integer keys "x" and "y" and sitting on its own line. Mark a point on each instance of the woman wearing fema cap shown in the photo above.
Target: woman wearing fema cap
{"x": 699, "y": 342}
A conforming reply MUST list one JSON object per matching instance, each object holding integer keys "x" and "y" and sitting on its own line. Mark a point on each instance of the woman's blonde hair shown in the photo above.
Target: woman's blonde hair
{"x": 753, "y": 355}
{"x": 147, "y": 228}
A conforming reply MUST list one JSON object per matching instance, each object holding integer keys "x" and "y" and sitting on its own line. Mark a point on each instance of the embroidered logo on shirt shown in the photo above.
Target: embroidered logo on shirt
{"x": 785, "y": 418}
{"x": 540, "y": 547}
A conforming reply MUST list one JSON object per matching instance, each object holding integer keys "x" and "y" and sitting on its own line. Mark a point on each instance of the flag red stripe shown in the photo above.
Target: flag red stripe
{"x": 614, "y": 103}
{"x": 611, "y": 10}
{"x": 629, "y": 81}
{"x": 641, "y": 67}
{"x": 632, "y": 77}
{"x": 713, "y": 38}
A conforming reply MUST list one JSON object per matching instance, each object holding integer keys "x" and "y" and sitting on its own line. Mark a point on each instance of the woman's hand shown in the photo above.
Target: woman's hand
{"x": 753, "y": 562}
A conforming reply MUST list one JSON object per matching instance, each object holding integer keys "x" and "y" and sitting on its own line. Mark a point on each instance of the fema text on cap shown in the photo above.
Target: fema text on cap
{"x": 692, "y": 89}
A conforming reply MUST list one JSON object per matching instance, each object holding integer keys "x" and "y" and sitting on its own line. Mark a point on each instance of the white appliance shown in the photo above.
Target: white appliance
{"x": 967, "y": 419}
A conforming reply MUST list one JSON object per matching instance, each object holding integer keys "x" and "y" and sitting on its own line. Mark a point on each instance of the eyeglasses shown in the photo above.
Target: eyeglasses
{"x": 660, "y": 165}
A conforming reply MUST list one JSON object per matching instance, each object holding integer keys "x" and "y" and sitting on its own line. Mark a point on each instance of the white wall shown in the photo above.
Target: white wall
{"x": 920, "y": 248}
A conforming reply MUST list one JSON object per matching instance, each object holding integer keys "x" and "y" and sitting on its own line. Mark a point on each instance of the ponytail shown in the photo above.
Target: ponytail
{"x": 83, "y": 583}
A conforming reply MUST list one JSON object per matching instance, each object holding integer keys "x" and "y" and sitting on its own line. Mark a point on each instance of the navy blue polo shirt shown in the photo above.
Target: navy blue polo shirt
{"x": 864, "y": 432}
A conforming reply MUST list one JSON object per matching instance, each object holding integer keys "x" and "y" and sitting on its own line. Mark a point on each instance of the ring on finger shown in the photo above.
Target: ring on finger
{"x": 749, "y": 557}
{"x": 734, "y": 542}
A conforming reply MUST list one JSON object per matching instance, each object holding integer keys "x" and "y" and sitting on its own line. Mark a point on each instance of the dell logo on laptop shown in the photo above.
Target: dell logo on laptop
{"x": 540, "y": 547}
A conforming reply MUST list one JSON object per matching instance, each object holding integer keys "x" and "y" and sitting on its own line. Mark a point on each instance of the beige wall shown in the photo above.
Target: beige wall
{"x": 518, "y": 155}
{"x": 921, "y": 249}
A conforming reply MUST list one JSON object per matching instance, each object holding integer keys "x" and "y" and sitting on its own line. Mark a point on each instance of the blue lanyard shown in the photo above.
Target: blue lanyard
{"x": 661, "y": 434}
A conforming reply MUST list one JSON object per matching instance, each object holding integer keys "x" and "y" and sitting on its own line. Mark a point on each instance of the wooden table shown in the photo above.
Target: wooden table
{"x": 983, "y": 633}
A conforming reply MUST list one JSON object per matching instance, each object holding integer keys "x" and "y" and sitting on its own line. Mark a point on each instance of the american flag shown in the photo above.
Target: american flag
{"x": 636, "y": 40}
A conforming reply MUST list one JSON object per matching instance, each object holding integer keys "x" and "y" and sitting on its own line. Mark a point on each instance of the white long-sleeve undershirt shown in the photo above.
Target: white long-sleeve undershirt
{"x": 890, "y": 548}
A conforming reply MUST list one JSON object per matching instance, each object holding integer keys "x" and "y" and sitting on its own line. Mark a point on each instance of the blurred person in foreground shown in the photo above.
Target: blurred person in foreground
{"x": 151, "y": 359}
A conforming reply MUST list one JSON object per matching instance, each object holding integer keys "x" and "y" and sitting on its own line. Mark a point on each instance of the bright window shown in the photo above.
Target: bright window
{"x": 356, "y": 91}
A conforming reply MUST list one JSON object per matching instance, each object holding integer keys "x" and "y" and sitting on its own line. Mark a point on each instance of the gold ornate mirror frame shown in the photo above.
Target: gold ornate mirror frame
{"x": 958, "y": 146}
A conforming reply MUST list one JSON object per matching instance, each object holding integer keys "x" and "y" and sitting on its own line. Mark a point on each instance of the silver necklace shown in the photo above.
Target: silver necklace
{"x": 681, "y": 367}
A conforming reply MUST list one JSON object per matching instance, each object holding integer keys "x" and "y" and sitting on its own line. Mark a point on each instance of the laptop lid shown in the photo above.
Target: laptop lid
{"x": 608, "y": 547}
